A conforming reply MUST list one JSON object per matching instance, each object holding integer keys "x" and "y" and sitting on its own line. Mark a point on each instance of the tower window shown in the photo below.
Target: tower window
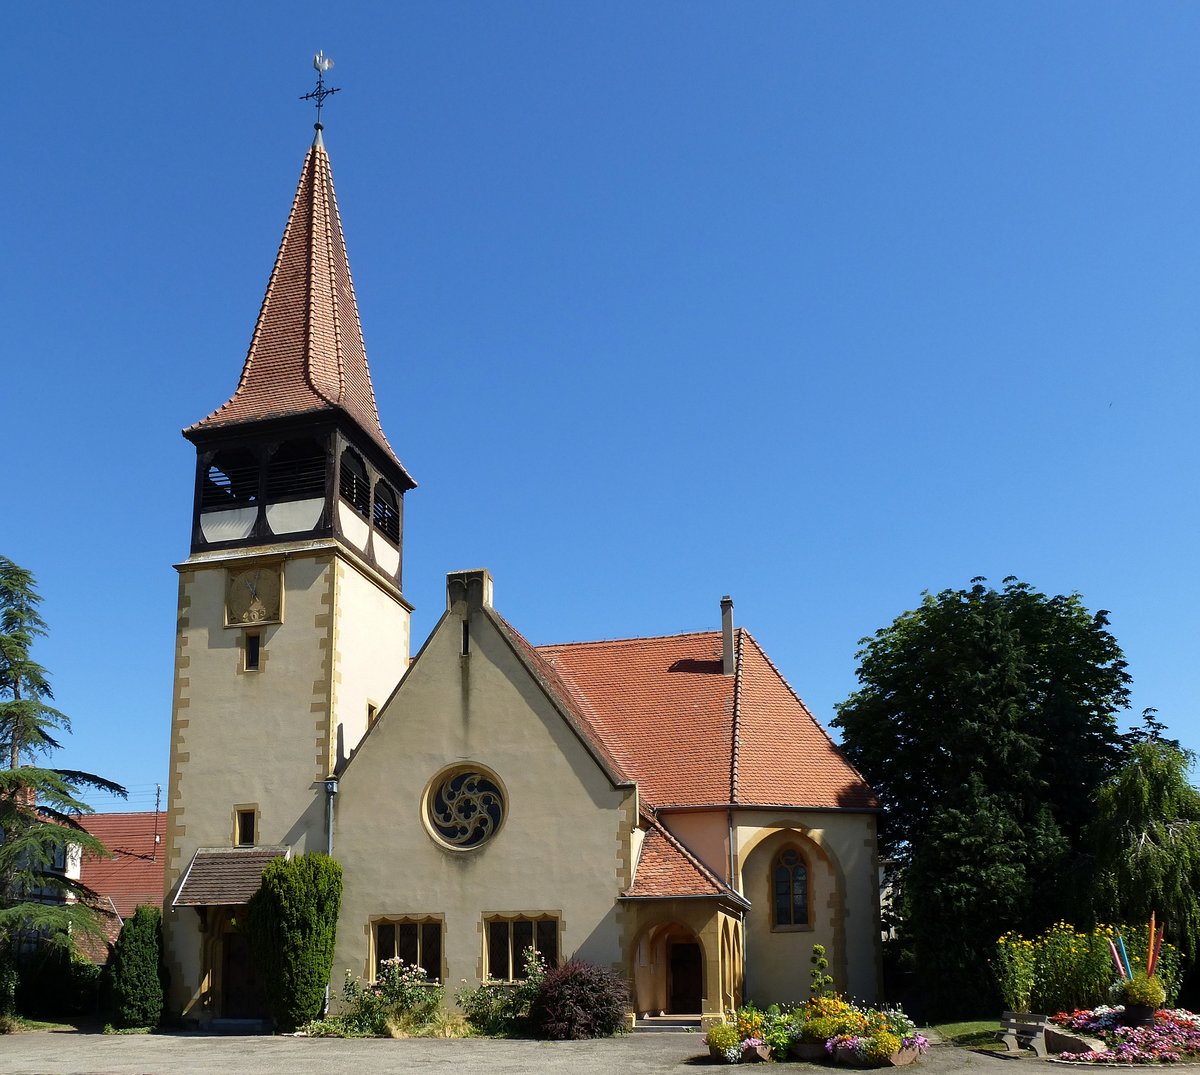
{"x": 296, "y": 471}
{"x": 253, "y": 651}
{"x": 246, "y": 825}
{"x": 354, "y": 486}
{"x": 231, "y": 481}
{"x": 387, "y": 514}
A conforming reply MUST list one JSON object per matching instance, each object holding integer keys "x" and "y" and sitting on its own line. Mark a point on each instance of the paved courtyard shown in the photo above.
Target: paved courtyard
{"x": 66, "y": 1053}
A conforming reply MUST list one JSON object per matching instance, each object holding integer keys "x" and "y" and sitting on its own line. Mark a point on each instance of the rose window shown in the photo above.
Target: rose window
{"x": 465, "y": 808}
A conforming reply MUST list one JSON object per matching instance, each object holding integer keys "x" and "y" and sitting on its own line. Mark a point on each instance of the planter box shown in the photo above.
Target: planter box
{"x": 807, "y": 1050}
{"x": 904, "y": 1056}
{"x": 756, "y": 1054}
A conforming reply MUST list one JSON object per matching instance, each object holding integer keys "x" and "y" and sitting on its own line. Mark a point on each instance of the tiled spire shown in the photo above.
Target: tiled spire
{"x": 307, "y": 354}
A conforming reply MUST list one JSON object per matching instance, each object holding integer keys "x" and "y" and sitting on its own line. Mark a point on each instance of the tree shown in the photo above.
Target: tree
{"x": 39, "y": 807}
{"x": 1147, "y": 841}
{"x": 136, "y": 967}
{"x": 293, "y": 923}
{"x": 985, "y": 719}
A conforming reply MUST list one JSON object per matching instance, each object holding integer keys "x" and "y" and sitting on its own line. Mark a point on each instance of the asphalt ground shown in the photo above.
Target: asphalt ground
{"x": 78, "y": 1053}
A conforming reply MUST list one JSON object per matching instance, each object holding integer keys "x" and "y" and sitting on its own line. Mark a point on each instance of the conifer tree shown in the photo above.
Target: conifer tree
{"x": 293, "y": 924}
{"x": 39, "y": 807}
{"x": 137, "y": 987}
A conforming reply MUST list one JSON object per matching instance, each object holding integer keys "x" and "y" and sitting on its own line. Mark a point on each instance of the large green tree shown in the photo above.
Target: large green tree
{"x": 293, "y": 924}
{"x": 39, "y": 807}
{"x": 1147, "y": 840}
{"x": 985, "y": 719}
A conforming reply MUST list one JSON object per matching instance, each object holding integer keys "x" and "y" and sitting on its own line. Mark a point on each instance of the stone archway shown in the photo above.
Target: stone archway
{"x": 668, "y": 976}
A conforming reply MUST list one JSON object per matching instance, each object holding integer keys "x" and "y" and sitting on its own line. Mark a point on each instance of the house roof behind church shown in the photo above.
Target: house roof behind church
{"x": 307, "y": 354}
{"x": 693, "y": 736}
{"x": 134, "y": 875}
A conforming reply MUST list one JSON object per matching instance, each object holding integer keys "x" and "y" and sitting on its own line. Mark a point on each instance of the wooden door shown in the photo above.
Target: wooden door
{"x": 686, "y": 984}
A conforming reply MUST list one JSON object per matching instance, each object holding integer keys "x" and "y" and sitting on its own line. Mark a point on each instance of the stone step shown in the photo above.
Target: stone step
{"x": 239, "y": 1026}
{"x": 667, "y": 1024}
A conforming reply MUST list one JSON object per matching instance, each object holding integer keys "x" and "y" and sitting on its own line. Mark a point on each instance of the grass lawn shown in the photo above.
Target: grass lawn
{"x": 972, "y": 1034}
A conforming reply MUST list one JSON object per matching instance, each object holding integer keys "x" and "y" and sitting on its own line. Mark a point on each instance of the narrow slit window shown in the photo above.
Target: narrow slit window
{"x": 253, "y": 651}
{"x": 245, "y": 828}
{"x": 466, "y": 638}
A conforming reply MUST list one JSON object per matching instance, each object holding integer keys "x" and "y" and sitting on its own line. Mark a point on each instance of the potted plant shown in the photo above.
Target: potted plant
{"x": 1143, "y": 995}
{"x": 724, "y": 1044}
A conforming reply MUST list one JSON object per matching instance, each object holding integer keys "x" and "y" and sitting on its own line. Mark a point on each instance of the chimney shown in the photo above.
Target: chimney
{"x": 728, "y": 657}
{"x": 468, "y": 591}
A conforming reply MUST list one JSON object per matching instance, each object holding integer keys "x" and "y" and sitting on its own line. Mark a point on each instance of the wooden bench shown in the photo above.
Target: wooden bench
{"x": 1022, "y": 1031}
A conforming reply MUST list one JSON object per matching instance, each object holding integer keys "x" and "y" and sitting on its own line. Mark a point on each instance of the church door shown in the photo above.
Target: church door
{"x": 686, "y": 974}
{"x": 243, "y": 995}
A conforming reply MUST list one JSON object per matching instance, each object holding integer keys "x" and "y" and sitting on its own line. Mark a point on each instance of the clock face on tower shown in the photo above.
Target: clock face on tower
{"x": 252, "y": 595}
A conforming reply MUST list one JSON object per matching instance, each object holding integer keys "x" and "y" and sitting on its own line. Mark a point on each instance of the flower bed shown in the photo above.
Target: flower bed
{"x": 839, "y": 1031}
{"x": 1174, "y": 1036}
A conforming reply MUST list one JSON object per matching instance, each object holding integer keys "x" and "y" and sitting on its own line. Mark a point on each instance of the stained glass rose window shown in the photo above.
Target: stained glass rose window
{"x": 465, "y": 807}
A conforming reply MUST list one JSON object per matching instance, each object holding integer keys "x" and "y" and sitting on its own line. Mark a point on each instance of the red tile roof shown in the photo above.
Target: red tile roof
{"x": 692, "y": 736}
{"x": 307, "y": 354}
{"x": 135, "y": 873}
{"x": 667, "y": 869}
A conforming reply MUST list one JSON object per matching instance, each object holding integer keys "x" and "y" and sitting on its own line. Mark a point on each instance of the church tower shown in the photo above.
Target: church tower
{"x": 292, "y": 624}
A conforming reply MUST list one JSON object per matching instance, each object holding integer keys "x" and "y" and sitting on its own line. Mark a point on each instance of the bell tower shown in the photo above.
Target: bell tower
{"x": 292, "y": 624}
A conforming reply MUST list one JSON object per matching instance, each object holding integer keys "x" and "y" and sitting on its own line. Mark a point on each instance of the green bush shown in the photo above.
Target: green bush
{"x": 9, "y": 979}
{"x": 579, "y": 1000}
{"x": 137, "y": 988}
{"x": 501, "y": 1009}
{"x": 55, "y": 982}
{"x": 400, "y": 1000}
{"x": 293, "y": 922}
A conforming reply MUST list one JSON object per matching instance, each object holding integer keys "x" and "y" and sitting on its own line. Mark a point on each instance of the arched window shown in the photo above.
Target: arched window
{"x": 789, "y": 888}
{"x": 387, "y": 515}
{"x": 296, "y": 471}
{"x": 231, "y": 480}
{"x": 354, "y": 486}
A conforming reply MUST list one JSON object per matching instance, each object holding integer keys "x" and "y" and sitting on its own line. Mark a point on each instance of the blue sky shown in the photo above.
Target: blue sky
{"x": 817, "y": 304}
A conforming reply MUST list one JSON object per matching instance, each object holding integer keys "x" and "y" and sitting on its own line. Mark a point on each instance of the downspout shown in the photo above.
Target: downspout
{"x": 331, "y": 790}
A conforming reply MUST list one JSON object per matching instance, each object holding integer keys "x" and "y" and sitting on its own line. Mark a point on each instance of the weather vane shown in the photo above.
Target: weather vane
{"x": 321, "y": 64}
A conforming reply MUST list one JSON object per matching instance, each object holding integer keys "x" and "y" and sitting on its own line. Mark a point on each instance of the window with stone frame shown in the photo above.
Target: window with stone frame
{"x": 414, "y": 940}
{"x": 791, "y": 892}
{"x": 507, "y": 938}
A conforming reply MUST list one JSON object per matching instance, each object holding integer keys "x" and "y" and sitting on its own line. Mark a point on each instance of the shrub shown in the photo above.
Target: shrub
{"x": 1065, "y": 969}
{"x": 56, "y": 982}
{"x": 293, "y": 921}
{"x": 137, "y": 989}
{"x": 579, "y": 1000}
{"x": 820, "y": 1029}
{"x": 501, "y": 1009}
{"x": 9, "y": 977}
{"x": 401, "y": 1000}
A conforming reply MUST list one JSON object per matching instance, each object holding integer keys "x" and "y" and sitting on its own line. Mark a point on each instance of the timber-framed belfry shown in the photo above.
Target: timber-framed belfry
{"x": 663, "y": 805}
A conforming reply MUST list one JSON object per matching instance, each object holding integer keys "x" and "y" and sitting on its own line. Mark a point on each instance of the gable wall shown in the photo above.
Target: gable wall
{"x": 840, "y": 850}
{"x": 563, "y": 846}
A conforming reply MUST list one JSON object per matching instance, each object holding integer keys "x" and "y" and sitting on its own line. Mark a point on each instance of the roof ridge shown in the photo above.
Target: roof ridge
{"x": 629, "y": 640}
{"x": 571, "y": 702}
{"x": 735, "y": 729}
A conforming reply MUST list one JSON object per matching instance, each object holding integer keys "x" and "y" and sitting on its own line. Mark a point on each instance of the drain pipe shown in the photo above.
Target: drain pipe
{"x": 331, "y": 790}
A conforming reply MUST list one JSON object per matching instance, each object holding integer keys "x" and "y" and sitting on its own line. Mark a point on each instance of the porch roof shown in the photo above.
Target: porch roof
{"x": 224, "y": 876}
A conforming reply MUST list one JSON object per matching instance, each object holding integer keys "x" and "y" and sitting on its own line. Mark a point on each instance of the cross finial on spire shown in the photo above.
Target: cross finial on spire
{"x": 321, "y": 64}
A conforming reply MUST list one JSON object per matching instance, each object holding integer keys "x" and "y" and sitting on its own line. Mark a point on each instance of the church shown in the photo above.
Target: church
{"x": 663, "y": 805}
